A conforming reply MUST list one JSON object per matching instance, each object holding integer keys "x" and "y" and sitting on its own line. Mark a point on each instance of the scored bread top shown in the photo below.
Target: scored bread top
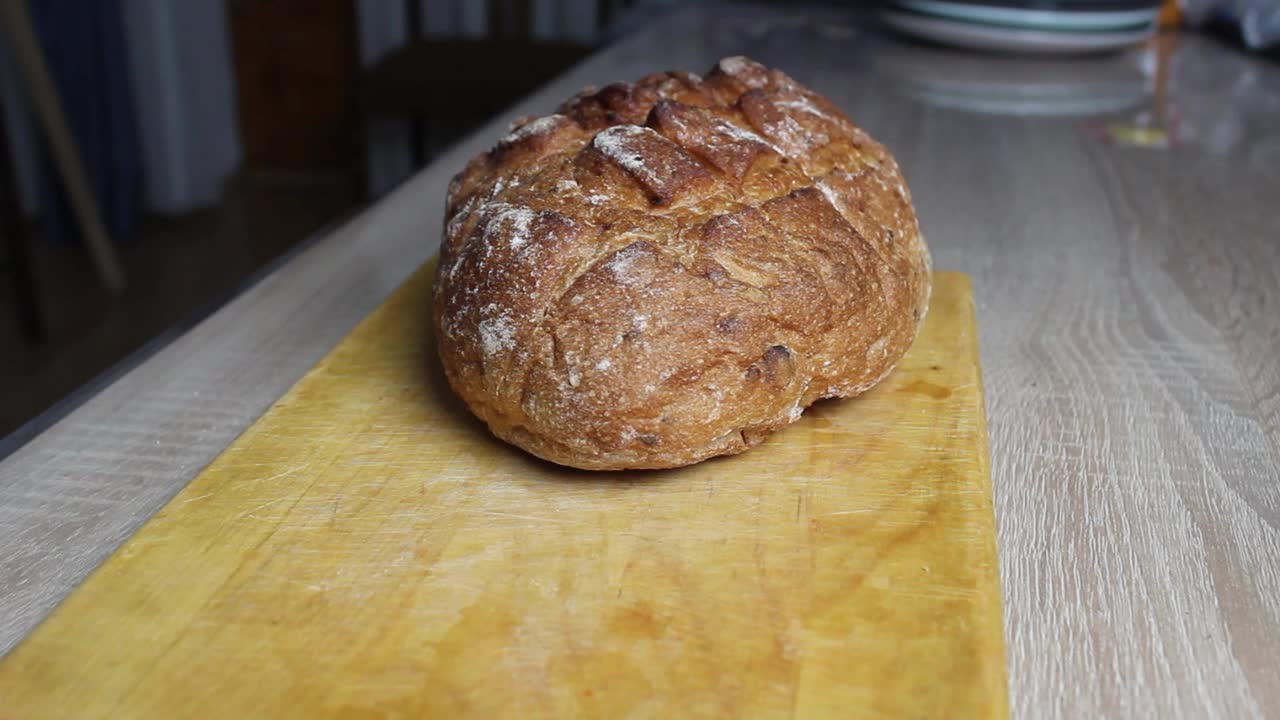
{"x": 668, "y": 270}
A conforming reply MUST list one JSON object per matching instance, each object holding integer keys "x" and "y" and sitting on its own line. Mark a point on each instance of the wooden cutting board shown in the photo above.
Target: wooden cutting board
{"x": 367, "y": 550}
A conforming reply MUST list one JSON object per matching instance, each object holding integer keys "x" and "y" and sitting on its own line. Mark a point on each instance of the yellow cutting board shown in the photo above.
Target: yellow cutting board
{"x": 367, "y": 550}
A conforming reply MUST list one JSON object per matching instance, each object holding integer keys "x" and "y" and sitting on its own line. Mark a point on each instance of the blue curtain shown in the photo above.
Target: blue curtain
{"x": 84, "y": 45}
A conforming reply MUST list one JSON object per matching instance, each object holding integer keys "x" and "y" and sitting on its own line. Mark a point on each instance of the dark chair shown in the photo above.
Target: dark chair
{"x": 451, "y": 84}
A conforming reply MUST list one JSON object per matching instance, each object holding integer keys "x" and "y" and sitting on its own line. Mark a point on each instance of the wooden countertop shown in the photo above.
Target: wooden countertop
{"x": 1126, "y": 267}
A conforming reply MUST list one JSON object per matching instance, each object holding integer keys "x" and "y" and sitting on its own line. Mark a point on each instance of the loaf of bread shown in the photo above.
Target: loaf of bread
{"x": 670, "y": 270}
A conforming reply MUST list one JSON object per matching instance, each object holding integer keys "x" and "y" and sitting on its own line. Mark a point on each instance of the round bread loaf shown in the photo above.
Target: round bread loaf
{"x": 669, "y": 270}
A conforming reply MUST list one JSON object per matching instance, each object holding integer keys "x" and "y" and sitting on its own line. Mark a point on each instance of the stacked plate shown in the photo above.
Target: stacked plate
{"x": 1036, "y": 26}
{"x": 988, "y": 84}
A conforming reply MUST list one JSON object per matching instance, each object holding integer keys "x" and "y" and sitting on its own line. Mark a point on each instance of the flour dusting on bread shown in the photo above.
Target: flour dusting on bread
{"x": 496, "y": 335}
{"x": 618, "y": 144}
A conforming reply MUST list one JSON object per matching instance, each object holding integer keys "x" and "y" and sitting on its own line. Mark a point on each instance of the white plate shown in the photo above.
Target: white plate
{"x": 1059, "y": 19}
{"x": 1007, "y": 39}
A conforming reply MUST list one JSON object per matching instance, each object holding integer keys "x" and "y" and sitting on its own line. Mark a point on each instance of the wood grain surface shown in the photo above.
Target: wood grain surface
{"x": 367, "y": 548}
{"x": 1127, "y": 300}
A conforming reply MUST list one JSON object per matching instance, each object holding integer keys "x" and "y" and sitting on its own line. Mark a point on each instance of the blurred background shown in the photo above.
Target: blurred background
{"x": 159, "y": 155}
{"x": 214, "y": 136}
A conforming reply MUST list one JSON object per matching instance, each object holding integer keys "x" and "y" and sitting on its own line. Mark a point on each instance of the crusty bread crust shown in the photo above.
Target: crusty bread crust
{"x": 669, "y": 270}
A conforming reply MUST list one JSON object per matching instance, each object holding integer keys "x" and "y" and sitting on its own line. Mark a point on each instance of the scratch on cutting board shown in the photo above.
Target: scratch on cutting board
{"x": 623, "y": 577}
{"x": 277, "y": 476}
{"x": 250, "y": 512}
{"x": 498, "y": 513}
{"x": 283, "y": 473}
{"x": 859, "y": 511}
